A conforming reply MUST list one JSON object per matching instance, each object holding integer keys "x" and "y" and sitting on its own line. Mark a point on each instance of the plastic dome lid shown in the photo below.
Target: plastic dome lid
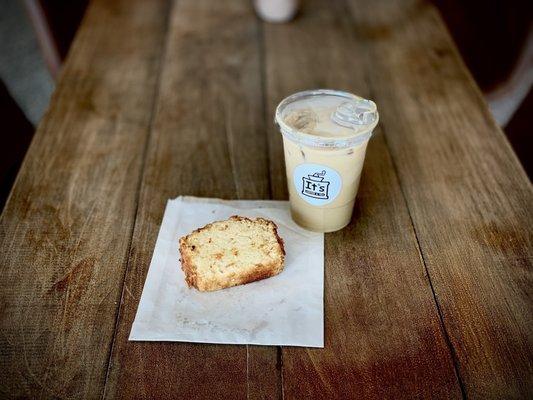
{"x": 326, "y": 118}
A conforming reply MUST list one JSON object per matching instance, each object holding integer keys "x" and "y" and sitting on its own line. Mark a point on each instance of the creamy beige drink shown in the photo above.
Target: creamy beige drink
{"x": 325, "y": 134}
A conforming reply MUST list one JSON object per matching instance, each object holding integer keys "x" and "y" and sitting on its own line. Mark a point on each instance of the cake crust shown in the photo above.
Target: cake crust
{"x": 233, "y": 252}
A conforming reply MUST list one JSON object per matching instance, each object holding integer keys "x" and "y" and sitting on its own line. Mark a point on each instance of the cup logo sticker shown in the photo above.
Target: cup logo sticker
{"x": 317, "y": 184}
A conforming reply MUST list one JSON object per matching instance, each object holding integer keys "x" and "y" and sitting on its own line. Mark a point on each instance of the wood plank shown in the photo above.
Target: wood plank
{"x": 208, "y": 140}
{"x": 66, "y": 229}
{"x": 383, "y": 334}
{"x": 470, "y": 200}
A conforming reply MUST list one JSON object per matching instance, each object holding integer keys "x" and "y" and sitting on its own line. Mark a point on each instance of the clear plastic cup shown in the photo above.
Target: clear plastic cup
{"x": 325, "y": 134}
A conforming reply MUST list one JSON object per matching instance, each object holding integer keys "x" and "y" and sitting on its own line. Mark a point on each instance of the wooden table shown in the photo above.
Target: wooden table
{"x": 427, "y": 292}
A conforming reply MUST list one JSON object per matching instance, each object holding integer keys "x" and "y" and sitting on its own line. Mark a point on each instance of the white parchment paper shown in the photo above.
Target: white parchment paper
{"x": 283, "y": 310}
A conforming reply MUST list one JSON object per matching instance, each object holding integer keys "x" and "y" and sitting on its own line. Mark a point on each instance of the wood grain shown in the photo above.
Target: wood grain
{"x": 208, "y": 140}
{"x": 428, "y": 291}
{"x": 470, "y": 200}
{"x": 66, "y": 229}
{"x": 383, "y": 333}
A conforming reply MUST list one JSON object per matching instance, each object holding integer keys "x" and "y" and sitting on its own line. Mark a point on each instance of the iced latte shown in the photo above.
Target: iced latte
{"x": 325, "y": 134}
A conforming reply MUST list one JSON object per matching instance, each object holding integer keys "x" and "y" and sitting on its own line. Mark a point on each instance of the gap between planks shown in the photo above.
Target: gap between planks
{"x": 262, "y": 66}
{"x": 428, "y": 275}
{"x": 449, "y": 344}
{"x": 169, "y": 7}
